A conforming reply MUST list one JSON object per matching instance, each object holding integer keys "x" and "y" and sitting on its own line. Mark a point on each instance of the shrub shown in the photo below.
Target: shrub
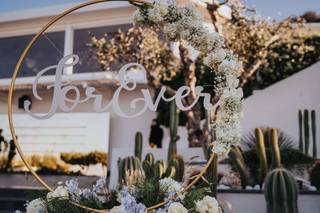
{"x": 315, "y": 175}
{"x": 85, "y": 159}
{"x": 291, "y": 159}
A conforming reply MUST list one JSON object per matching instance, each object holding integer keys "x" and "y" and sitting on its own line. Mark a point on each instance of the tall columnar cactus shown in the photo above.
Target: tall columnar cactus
{"x": 129, "y": 164}
{"x": 138, "y": 145}
{"x": 300, "y": 118}
{"x": 281, "y": 192}
{"x": 174, "y": 123}
{"x": 306, "y": 131}
{"x": 262, "y": 154}
{"x": 314, "y": 133}
{"x": 276, "y": 157}
{"x": 236, "y": 157}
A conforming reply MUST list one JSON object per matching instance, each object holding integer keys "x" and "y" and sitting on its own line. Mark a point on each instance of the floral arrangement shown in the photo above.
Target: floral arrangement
{"x": 125, "y": 200}
{"x": 185, "y": 23}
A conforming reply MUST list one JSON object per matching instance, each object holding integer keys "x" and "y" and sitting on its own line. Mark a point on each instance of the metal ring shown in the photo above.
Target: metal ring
{"x": 10, "y": 104}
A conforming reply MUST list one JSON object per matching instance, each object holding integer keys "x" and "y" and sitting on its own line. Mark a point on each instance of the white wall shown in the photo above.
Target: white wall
{"x": 255, "y": 202}
{"x": 278, "y": 105}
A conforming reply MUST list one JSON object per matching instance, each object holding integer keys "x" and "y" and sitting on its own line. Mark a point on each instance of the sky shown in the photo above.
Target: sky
{"x": 275, "y": 9}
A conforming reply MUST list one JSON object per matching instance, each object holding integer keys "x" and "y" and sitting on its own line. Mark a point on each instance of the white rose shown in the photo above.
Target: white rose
{"x": 207, "y": 205}
{"x": 115, "y": 209}
{"x": 36, "y": 206}
{"x": 177, "y": 208}
{"x": 60, "y": 192}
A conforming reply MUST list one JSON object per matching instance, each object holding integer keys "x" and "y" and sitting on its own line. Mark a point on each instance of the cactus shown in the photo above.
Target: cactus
{"x": 236, "y": 157}
{"x": 138, "y": 145}
{"x": 174, "y": 123}
{"x": 276, "y": 157}
{"x": 262, "y": 154}
{"x": 155, "y": 171}
{"x": 300, "y": 118}
{"x": 160, "y": 168}
{"x": 306, "y": 131}
{"x": 149, "y": 157}
{"x": 148, "y": 170}
{"x": 314, "y": 134}
{"x": 178, "y": 163}
{"x": 281, "y": 192}
{"x": 129, "y": 164}
{"x": 170, "y": 172}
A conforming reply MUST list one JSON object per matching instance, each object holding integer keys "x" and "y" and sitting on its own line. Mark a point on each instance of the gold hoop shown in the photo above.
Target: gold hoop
{"x": 10, "y": 107}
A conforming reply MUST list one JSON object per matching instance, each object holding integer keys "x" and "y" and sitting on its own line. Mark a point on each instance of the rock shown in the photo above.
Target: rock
{"x": 312, "y": 188}
{"x": 256, "y": 187}
{"x": 223, "y": 187}
{"x": 249, "y": 188}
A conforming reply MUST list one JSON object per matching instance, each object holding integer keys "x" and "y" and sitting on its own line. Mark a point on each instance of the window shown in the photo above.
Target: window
{"x": 47, "y": 51}
{"x": 88, "y": 62}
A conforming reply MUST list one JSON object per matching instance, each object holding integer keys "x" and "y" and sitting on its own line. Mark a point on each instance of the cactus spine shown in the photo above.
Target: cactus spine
{"x": 174, "y": 122}
{"x": 300, "y": 118}
{"x": 236, "y": 157}
{"x": 138, "y": 145}
{"x": 262, "y": 154}
{"x": 314, "y": 134}
{"x": 276, "y": 157}
{"x": 281, "y": 192}
{"x": 306, "y": 131}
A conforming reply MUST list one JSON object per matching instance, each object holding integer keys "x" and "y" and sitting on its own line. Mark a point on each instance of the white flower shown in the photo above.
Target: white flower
{"x": 232, "y": 81}
{"x": 36, "y": 206}
{"x": 158, "y": 12}
{"x": 177, "y": 208}
{"x": 229, "y": 67}
{"x": 60, "y": 192}
{"x": 220, "y": 148}
{"x": 207, "y": 205}
{"x": 171, "y": 31}
{"x": 115, "y": 209}
{"x": 137, "y": 17}
{"x": 215, "y": 57}
{"x": 169, "y": 185}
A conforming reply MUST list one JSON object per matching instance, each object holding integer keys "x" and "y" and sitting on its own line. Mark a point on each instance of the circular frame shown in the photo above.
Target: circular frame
{"x": 10, "y": 105}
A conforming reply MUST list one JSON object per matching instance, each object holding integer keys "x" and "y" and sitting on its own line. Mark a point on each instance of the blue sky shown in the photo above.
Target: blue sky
{"x": 276, "y": 9}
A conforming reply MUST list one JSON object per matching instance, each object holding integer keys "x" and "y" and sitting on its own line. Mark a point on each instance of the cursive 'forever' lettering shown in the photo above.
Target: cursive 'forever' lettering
{"x": 60, "y": 101}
